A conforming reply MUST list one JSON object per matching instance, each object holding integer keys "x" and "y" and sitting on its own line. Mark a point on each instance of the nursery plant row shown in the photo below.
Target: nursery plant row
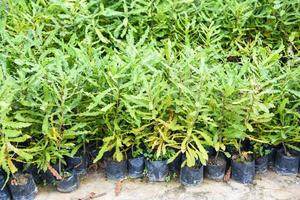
{"x": 197, "y": 85}
{"x": 140, "y": 167}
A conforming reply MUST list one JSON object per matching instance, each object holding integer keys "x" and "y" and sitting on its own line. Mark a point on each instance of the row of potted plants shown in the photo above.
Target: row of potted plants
{"x": 22, "y": 185}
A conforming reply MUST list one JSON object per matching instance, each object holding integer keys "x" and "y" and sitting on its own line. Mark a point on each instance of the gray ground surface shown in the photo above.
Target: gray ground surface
{"x": 265, "y": 187}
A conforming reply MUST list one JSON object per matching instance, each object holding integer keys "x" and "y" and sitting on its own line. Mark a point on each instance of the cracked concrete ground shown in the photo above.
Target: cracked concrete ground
{"x": 267, "y": 186}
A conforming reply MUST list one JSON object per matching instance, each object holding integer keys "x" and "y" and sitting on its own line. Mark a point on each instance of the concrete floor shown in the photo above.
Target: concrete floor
{"x": 267, "y": 186}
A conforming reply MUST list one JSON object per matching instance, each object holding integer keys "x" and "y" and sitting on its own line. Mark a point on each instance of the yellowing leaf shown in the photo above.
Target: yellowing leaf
{"x": 11, "y": 166}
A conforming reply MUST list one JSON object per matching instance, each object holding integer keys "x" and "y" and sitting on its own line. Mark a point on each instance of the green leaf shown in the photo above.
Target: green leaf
{"x": 16, "y": 125}
{"x": 23, "y": 138}
{"x": 107, "y": 107}
{"x": 11, "y": 133}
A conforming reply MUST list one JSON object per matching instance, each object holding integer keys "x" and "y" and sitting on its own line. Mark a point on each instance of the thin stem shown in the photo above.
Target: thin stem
{"x": 285, "y": 149}
{"x": 239, "y": 149}
{"x": 217, "y": 155}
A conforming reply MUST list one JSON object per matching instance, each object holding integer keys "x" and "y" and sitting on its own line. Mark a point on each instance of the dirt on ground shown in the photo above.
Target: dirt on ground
{"x": 268, "y": 186}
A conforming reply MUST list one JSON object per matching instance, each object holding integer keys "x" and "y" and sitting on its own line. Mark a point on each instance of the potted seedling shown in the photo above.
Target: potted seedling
{"x": 136, "y": 164}
{"x": 110, "y": 103}
{"x": 244, "y": 113}
{"x": 54, "y": 148}
{"x": 68, "y": 181}
{"x": 47, "y": 159}
{"x": 78, "y": 157}
{"x": 286, "y": 132}
{"x": 243, "y": 167}
{"x": 22, "y": 186}
{"x": 13, "y": 135}
{"x": 64, "y": 97}
{"x": 161, "y": 142}
{"x": 242, "y": 161}
{"x": 261, "y": 154}
{"x": 195, "y": 119}
{"x": 58, "y": 127}
{"x": 157, "y": 169}
{"x": 286, "y": 162}
{"x": 216, "y": 164}
{"x": 195, "y": 156}
{"x": 154, "y": 121}
{"x": 117, "y": 143}
{"x": 65, "y": 180}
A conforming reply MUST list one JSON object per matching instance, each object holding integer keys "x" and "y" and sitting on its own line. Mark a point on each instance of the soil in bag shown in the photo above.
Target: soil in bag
{"x": 4, "y": 193}
{"x": 79, "y": 163}
{"x": 22, "y": 187}
{"x": 190, "y": 176}
{"x": 69, "y": 183}
{"x": 116, "y": 170}
{"x": 136, "y": 167}
{"x": 261, "y": 164}
{"x": 243, "y": 172}
{"x": 286, "y": 165}
{"x": 215, "y": 168}
{"x": 157, "y": 171}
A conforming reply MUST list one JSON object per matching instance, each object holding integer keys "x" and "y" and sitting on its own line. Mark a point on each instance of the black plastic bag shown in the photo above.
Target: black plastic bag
{"x": 243, "y": 172}
{"x": 157, "y": 170}
{"x": 79, "y": 163}
{"x": 24, "y": 189}
{"x": 261, "y": 164}
{"x": 298, "y": 154}
{"x": 93, "y": 153}
{"x": 4, "y": 193}
{"x": 175, "y": 165}
{"x": 34, "y": 171}
{"x": 107, "y": 156}
{"x": 68, "y": 184}
{"x": 271, "y": 158}
{"x": 286, "y": 165}
{"x": 190, "y": 176}
{"x": 216, "y": 170}
{"x": 93, "y": 149}
{"x": 136, "y": 167}
{"x": 116, "y": 170}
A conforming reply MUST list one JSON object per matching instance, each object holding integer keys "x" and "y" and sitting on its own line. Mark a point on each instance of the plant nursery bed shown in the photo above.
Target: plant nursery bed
{"x": 268, "y": 186}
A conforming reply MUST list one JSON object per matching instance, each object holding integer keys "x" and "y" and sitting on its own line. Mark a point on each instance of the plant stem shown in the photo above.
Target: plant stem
{"x": 284, "y": 148}
{"x": 239, "y": 149}
{"x": 217, "y": 155}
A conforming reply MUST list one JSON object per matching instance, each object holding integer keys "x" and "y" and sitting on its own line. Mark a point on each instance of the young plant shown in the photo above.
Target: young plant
{"x": 13, "y": 131}
{"x": 117, "y": 130}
